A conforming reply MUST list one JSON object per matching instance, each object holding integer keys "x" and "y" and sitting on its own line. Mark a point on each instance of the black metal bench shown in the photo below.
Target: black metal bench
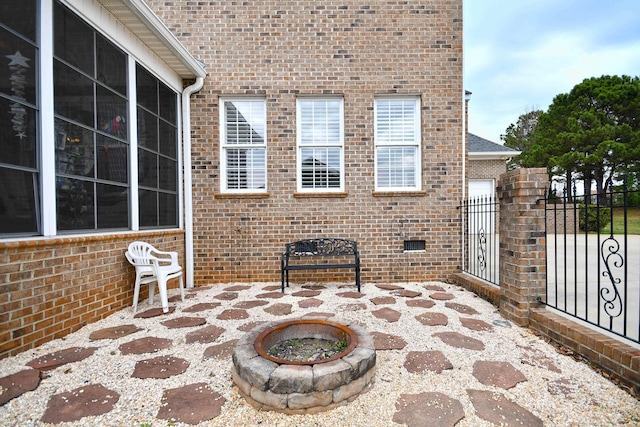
{"x": 334, "y": 248}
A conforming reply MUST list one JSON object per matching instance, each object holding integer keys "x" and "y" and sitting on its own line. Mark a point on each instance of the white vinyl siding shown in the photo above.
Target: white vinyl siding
{"x": 397, "y": 140}
{"x": 320, "y": 140}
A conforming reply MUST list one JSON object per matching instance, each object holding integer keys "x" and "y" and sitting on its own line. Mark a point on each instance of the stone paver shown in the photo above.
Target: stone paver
{"x": 114, "y": 332}
{"x": 160, "y": 367}
{"x": 387, "y": 341}
{"x": 388, "y": 314}
{"x": 14, "y": 385}
{"x": 461, "y": 308}
{"x": 428, "y": 409}
{"x": 205, "y": 335}
{"x": 422, "y": 303}
{"x": 475, "y": 324}
{"x": 190, "y": 404}
{"x": 441, "y": 296}
{"x": 499, "y": 410}
{"x": 497, "y": 374}
{"x": 383, "y": 300}
{"x": 227, "y": 296}
{"x": 203, "y": 306}
{"x": 279, "y": 309}
{"x": 310, "y": 302}
{"x": 246, "y": 305}
{"x": 455, "y": 339}
{"x": 93, "y": 399}
{"x": 62, "y": 357}
{"x": 234, "y": 314}
{"x": 420, "y": 361}
{"x": 220, "y": 351}
{"x": 184, "y": 322}
{"x": 154, "y": 312}
{"x": 145, "y": 345}
{"x": 433, "y": 319}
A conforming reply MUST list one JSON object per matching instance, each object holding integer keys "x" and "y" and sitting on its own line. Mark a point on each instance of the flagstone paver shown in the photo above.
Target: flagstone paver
{"x": 145, "y": 345}
{"x": 497, "y": 374}
{"x": 61, "y": 357}
{"x": 441, "y": 296}
{"x": 205, "y": 335}
{"x": 383, "y": 300}
{"x": 190, "y": 404}
{"x": 271, "y": 295}
{"x": 350, "y": 294}
{"x": 237, "y": 288}
{"x": 499, "y": 410}
{"x": 406, "y": 293}
{"x": 306, "y": 293}
{"x": 184, "y": 322}
{"x": 92, "y": 399}
{"x": 388, "y": 314}
{"x": 14, "y": 385}
{"x": 160, "y": 367}
{"x": 428, "y": 409}
{"x": 310, "y": 302}
{"x": 475, "y": 324}
{"x": 154, "y": 312}
{"x": 432, "y": 287}
{"x": 388, "y": 287}
{"x": 387, "y": 341}
{"x": 455, "y": 339}
{"x": 422, "y": 303}
{"x": 226, "y": 296}
{"x": 233, "y": 313}
{"x": 246, "y": 305}
{"x": 220, "y": 351}
{"x": 419, "y": 361}
{"x": 114, "y": 332}
{"x": 461, "y": 308}
{"x": 433, "y": 319}
{"x": 279, "y": 309}
{"x": 203, "y": 306}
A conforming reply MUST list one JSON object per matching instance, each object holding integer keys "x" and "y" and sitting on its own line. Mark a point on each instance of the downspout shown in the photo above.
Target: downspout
{"x": 188, "y": 182}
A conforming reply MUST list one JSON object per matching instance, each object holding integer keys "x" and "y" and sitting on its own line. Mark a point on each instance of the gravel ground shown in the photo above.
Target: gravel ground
{"x": 582, "y": 397}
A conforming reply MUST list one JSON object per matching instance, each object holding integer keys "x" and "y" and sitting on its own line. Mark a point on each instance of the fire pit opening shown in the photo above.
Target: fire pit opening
{"x": 304, "y": 365}
{"x": 305, "y": 342}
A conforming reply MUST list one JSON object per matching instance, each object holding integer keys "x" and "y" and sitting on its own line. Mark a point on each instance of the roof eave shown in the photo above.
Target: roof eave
{"x": 173, "y": 51}
{"x": 493, "y": 155}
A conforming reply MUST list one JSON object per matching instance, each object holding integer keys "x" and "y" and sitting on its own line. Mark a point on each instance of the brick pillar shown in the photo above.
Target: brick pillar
{"x": 522, "y": 242}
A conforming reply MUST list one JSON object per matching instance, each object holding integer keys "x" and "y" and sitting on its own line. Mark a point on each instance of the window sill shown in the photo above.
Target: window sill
{"x": 336, "y": 195}
{"x": 399, "y": 193}
{"x": 241, "y": 195}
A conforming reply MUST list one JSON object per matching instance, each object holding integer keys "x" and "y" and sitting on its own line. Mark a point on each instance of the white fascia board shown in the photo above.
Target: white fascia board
{"x": 493, "y": 155}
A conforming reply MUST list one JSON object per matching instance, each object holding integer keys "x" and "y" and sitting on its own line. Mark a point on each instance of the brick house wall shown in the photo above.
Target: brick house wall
{"x": 486, "y": 169}
{"x": 281, "y": 50}
{"x": 52, "y": 287}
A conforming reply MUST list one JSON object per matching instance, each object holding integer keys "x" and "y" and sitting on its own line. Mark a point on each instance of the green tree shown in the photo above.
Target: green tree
{"x": 591, "y": 133}
{"x": 519, "y": 136}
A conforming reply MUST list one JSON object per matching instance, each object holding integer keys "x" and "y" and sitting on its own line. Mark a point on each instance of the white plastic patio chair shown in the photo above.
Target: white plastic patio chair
{"x": 153, "y": 266}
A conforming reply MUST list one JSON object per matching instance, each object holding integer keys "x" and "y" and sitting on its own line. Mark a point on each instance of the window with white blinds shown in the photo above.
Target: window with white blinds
{"x": 397, "y": 141}
{"x": 320, "y": 131}
{"x": 244, "y": 146}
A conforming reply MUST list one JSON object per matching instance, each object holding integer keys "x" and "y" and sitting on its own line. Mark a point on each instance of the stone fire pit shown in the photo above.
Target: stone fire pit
{"x": 302, "y": 387}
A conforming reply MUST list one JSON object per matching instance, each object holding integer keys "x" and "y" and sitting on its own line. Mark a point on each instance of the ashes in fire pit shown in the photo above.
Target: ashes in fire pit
{"x": 307, "y": 349}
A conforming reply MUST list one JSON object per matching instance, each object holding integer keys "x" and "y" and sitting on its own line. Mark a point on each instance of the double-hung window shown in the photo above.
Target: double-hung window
{"x": 320, "y": 138}
{"x": 244, "y": 145}
{"x": 397, "y": 142}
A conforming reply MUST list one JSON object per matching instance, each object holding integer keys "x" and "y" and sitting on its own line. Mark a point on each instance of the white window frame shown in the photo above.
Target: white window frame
{"x": 382, "y": 141}
{"x": 224, "y": 146}
{"x": 301, "y": 144}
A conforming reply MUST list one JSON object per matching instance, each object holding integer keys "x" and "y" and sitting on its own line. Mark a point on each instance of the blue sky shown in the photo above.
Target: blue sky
{"x": 520, "y": 54}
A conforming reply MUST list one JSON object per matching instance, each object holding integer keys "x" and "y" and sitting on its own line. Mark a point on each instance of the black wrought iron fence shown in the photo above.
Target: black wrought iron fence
{"x": 593, "y": 259}
{"x": 480, "y": 245}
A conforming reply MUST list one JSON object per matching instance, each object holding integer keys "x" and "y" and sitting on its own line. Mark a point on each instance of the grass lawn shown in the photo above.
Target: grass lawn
{"x": 633, "y": 221}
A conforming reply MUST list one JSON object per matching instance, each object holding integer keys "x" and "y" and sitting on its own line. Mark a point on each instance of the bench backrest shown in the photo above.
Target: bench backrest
{"x": 315, "y": 247}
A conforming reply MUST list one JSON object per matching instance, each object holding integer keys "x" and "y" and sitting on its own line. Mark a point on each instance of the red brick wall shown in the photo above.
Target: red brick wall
{"x": 52, "y": 287}
{"x": 357, "y": 50}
